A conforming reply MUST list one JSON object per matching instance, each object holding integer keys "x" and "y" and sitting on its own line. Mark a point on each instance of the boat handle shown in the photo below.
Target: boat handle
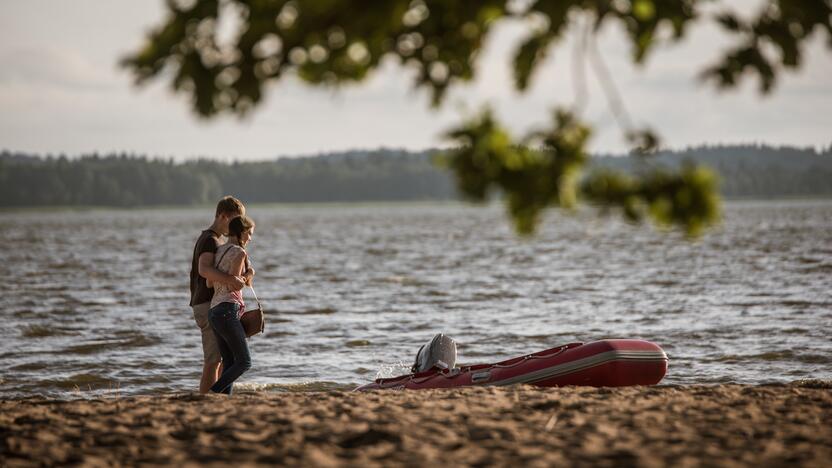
{"x": 542, "y": 356}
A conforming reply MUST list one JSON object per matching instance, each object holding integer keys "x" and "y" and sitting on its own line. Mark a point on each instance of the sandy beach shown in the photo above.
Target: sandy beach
{"x": 725, "y": 425}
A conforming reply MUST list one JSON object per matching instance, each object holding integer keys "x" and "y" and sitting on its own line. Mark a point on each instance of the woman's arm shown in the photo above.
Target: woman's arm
{"x": 248, "y": 274}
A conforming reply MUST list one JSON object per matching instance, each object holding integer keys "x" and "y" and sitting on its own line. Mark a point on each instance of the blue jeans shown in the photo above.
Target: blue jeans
{"x": 231, "y": 338}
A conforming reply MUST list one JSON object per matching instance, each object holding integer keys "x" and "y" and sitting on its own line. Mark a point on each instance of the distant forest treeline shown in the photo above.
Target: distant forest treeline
{"x": 128, "y": 180}
{"x": 748, "y": 171}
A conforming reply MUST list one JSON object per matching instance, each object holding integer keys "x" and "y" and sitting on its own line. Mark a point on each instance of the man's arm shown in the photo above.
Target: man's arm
{"x": 209, "y": 272}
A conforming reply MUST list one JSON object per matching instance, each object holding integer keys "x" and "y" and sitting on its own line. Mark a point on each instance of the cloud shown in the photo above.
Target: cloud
{"x": 53, "y": 67}
{"x": 60, "y": 90}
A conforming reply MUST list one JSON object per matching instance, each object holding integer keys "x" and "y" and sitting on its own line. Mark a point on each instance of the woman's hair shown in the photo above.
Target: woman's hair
{"x": 237, "y": 226}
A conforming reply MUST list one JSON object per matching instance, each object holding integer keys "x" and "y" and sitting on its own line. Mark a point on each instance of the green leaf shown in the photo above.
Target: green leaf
{"x": 644, "y": 10}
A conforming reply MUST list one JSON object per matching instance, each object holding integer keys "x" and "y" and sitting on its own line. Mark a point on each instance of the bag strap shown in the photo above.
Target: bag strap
{"x": 255, "y": 298}
{"x": 248, "y": 265}
{"x": 222, "y": 256}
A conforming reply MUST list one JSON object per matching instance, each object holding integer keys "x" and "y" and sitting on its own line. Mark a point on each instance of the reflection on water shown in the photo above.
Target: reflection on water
{"x": 97, "y": 300}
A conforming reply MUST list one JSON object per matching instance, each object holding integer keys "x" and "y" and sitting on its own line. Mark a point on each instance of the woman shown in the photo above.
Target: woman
{"x": 227, "y": 305}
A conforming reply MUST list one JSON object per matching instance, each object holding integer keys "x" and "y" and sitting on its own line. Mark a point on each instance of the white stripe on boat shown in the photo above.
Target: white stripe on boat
{"x": 581, "y": 364}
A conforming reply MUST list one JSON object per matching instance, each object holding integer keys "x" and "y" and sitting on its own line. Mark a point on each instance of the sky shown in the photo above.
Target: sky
{"x": 62, "y": 92}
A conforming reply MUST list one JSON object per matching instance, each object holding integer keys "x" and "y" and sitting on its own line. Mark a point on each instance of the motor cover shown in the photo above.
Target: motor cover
{"x": 439, "y": 352}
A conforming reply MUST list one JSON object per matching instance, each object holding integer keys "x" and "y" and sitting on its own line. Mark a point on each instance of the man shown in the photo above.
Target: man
{"x": 202, "y": 268}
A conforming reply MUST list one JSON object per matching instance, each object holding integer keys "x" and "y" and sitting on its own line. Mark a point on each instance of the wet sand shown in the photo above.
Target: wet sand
{"x": 724, "y": 425}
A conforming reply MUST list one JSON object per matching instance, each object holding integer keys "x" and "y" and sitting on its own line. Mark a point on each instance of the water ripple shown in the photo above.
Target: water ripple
{"x": 352, "y": 291}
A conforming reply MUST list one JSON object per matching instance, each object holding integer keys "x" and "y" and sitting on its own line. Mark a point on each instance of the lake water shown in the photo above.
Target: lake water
{"x": 97, "y": 301}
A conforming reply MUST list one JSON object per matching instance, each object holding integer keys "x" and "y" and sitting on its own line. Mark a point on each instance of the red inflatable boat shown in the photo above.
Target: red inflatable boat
{"x": 605, "y": 363}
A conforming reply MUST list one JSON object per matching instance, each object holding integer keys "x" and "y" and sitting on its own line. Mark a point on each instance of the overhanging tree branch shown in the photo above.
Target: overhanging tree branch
{"x": 333, "y": 42}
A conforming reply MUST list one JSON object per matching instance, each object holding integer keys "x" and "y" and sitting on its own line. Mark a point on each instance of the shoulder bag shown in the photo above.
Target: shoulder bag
{"x": 254, "y": 321}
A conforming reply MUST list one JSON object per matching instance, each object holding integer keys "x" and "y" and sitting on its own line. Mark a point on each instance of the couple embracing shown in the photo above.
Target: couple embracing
{"x": 219, "y": 271}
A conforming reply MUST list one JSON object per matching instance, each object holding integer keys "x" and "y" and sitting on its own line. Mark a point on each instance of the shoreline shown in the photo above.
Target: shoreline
{"x": 210, "y": 208}
{"x": 726, "y": 425}
{"x": 355, "y": 203}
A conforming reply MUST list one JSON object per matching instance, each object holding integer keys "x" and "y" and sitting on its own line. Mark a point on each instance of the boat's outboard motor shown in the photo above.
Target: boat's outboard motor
{"x": 440, "y": 352}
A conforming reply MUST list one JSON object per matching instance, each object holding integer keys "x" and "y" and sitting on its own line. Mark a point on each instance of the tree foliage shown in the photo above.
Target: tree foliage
{"x": 532, "y": 179}
{"x": 331, "y": 42}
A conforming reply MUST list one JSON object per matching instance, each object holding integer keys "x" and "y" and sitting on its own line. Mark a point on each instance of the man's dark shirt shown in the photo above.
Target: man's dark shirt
{"x": 200, "y": 292}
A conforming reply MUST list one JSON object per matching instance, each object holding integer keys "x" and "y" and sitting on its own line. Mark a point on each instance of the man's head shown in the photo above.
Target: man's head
{"x": 227, "y": 209}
